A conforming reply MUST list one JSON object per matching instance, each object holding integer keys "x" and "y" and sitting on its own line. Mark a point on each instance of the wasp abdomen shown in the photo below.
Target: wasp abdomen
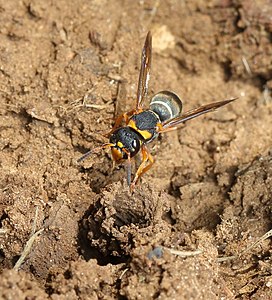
{"x": 167, "y": 105}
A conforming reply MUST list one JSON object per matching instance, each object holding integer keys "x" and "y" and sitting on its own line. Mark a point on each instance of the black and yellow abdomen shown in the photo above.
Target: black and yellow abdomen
{"x": 167, "y": 105}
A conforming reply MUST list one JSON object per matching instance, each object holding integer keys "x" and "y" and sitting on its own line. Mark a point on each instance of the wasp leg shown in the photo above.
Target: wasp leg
{"x": 117, "y": 123}
{"x": 124, "y": 117}
{"x": 128, "y": 167}
{"x": 147, "y": 162}
{"x": 160, "y": 128}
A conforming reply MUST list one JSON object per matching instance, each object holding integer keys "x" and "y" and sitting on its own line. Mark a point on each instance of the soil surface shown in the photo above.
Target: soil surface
{"x": 67, "y": 68}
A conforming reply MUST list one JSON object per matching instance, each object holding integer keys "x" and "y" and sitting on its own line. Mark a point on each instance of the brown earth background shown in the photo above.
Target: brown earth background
{"x": 67, "y": 68}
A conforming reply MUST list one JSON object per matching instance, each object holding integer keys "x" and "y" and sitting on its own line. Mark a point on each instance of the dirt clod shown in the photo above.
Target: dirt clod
{"x": 119, "y": 218}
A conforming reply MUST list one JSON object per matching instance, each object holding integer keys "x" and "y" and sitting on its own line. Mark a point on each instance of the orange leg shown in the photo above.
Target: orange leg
{"x": 160, "y": 128}
{"x": 124, "y": 117}
{"x": 147, "y": 162}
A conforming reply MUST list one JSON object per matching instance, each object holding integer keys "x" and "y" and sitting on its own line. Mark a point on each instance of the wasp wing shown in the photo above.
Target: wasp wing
{"x": 145, "y": 71}
{"x": 195, "y": 113}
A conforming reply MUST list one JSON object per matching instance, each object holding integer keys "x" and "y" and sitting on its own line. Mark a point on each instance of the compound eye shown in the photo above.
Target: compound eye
{"x": 134, "y": 144}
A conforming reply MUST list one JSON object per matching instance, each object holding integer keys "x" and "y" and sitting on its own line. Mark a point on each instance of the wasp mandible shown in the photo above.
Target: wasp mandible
{"x": 144, "y": 125}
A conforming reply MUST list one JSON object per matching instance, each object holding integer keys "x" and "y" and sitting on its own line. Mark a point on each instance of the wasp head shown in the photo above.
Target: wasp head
{"x": 126, "y": 143}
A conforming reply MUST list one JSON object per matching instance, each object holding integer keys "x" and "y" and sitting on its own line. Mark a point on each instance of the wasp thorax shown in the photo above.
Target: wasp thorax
{"x": 167, "y": 105}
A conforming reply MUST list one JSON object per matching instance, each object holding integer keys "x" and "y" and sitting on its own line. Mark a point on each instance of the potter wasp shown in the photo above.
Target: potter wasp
{"x": 144, "y": 125}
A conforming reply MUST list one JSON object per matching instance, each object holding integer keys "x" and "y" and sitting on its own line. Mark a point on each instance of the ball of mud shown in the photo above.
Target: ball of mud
{"x": 114, "y": 220}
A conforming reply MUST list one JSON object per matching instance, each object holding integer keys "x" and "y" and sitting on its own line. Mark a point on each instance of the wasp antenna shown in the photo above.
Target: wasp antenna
{"x": 83, "y": 157}
{"x": 95, "y": 150}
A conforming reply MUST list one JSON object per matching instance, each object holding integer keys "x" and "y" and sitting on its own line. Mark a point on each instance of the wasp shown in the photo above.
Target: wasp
{"x": 142, "y": 126}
